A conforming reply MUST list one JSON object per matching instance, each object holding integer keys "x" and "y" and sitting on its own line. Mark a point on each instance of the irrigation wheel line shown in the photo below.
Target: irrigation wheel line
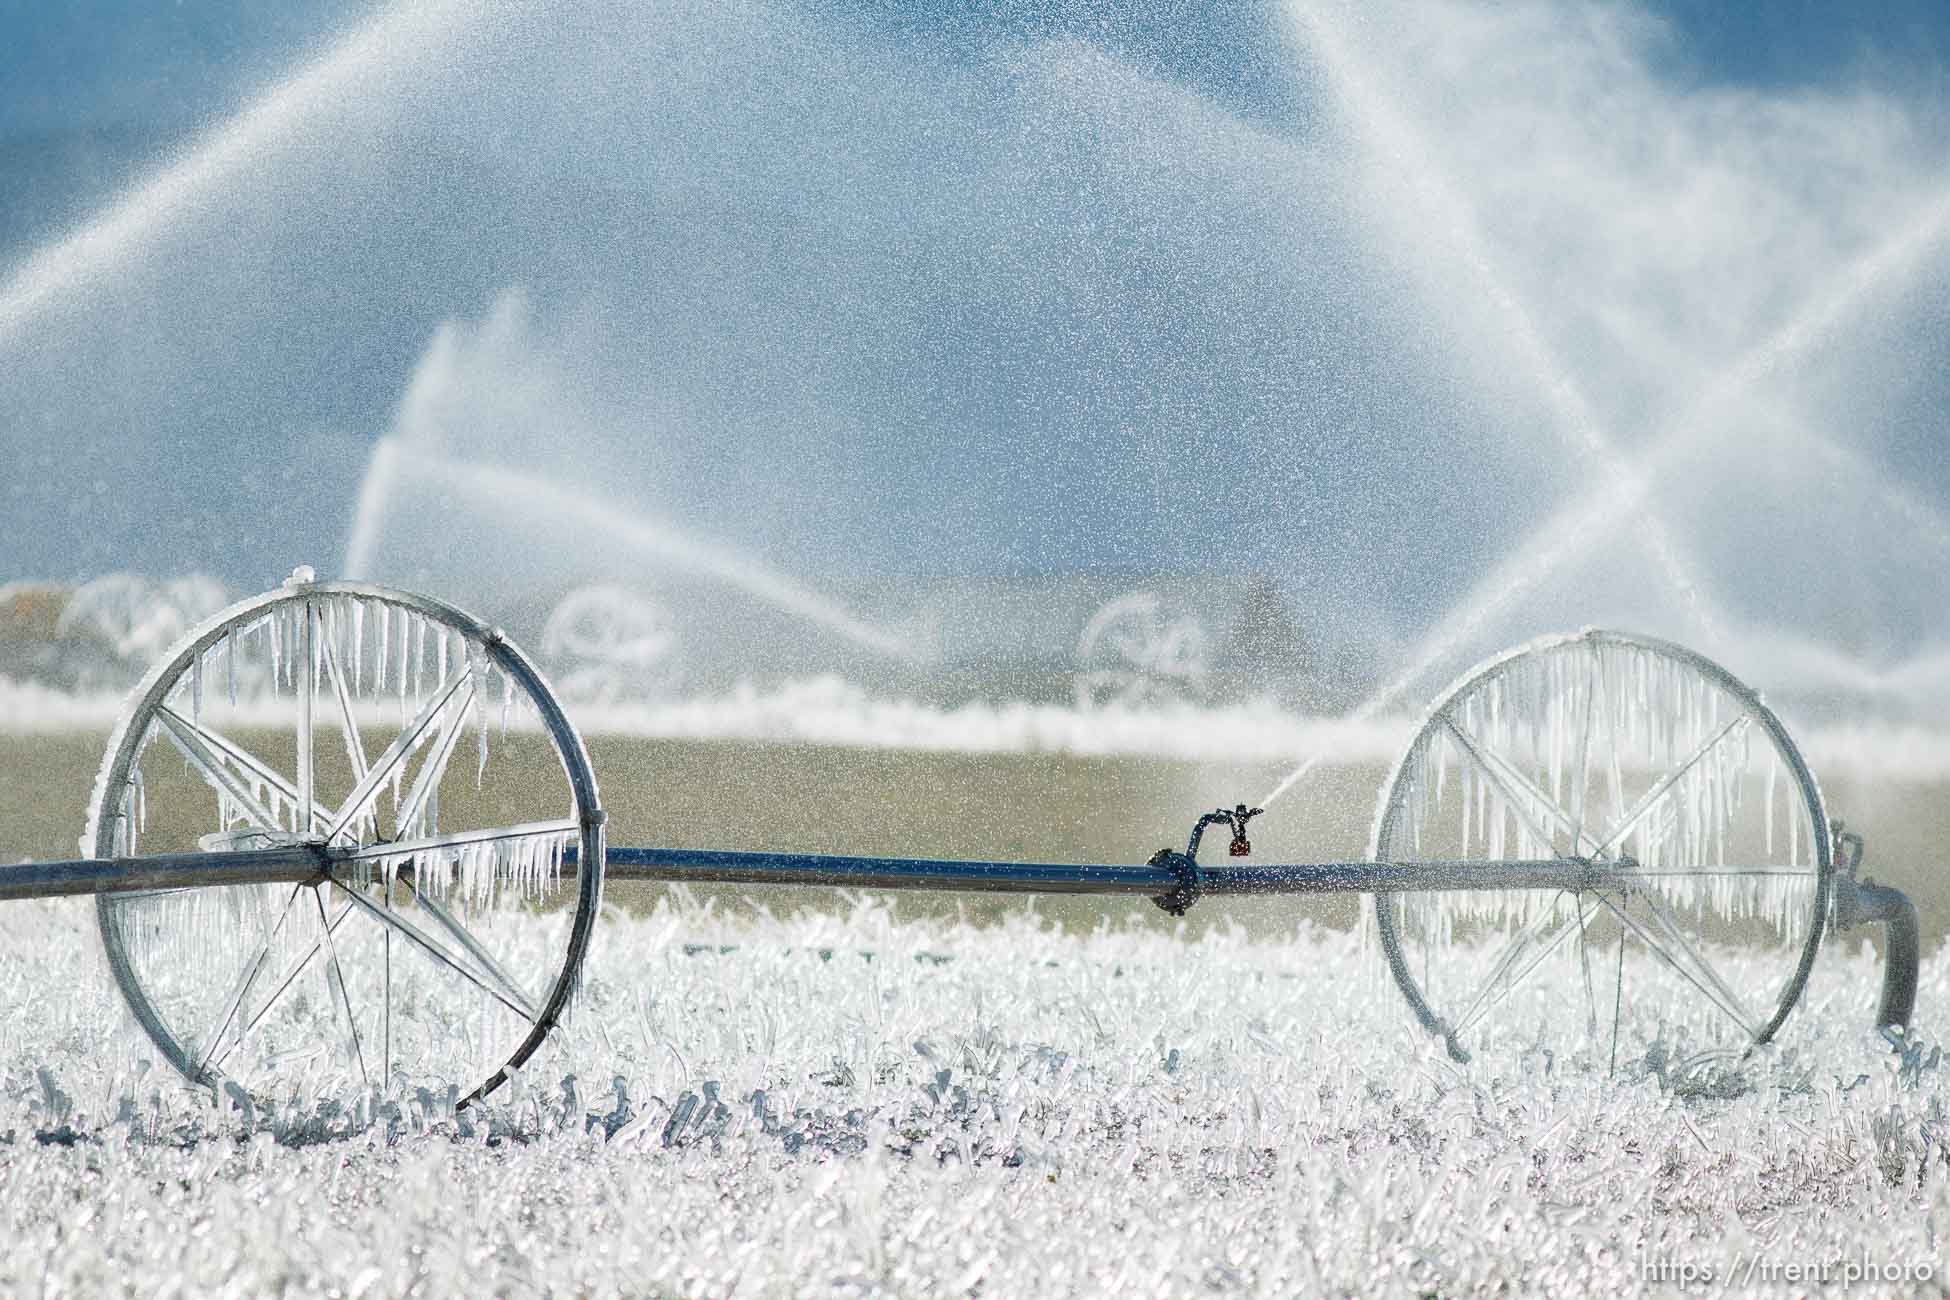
{"x": 345, "y": 835}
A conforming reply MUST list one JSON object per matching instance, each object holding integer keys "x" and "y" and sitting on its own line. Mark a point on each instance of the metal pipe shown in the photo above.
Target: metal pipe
{"x": 1398, "y": 877}
{"x": 303, "y": 862}
{"x": 722, "y": 867}
{"x": 286, "y": 864}
{"x": 1858, "y": 901}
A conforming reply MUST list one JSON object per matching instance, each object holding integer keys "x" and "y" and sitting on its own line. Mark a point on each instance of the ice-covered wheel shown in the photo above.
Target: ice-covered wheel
{"x": 606, "y": 644}
{"x": 1136, "y": 652}
{"x": 444, "y": 934}
{"x": 1709, "y": 849}
{"x": 119, "y": 624}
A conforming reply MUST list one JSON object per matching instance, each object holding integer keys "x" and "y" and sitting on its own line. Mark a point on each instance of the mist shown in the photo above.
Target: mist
{"x": 1462, "y": 325}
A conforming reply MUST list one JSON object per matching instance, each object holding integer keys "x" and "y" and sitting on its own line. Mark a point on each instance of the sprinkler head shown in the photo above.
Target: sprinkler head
{"x": 1241, "y": 846}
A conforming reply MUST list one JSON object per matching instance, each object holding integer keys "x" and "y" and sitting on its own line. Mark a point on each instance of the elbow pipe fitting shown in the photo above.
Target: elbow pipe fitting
{"x": 1858, "y": 901}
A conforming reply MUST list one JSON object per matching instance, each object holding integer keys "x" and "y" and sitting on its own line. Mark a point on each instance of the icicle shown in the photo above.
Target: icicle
{"x": 1794, "y": 834}
{"x": 399, "y": 776}
{"x": 1723, "y": 809}
{"x": 358, "y": 612}
{"x": 1417, "y": 805}
{"x": 404, "y": 656}
{"x": 419, "y": 653}
{"x": 1554, "y": 707}
{"x": 385, "y": 627}
{"x": 332, "y": 619}
{"x": 196, "y": 690}
{"x": 287, "y": 623}
{"x": 1483, "y": 812}
{"x": 477, "y": 872}
{"x": 270, "y": 626}
{"x": 296, "y": 613}
{"x": 1773, "y": 771}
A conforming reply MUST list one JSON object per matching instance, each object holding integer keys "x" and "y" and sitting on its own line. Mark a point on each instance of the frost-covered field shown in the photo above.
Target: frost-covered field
{"x": 998, "y": 1111}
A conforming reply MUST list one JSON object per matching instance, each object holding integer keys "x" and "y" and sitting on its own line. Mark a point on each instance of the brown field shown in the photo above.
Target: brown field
{"x": 1043, "y": 807}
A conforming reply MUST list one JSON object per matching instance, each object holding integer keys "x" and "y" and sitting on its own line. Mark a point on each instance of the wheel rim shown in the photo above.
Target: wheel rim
{"x": 447, "y": 939}
{"x": 1676, "y": 782}
{"x": 1133, "y": 654}
{"x": 607, "y": 644}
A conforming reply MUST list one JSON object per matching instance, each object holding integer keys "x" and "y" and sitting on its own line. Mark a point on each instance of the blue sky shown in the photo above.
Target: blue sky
{"x": 115, "y": 62}
{"x": 1090, "y": 344}
{"x": 92, "y": 92}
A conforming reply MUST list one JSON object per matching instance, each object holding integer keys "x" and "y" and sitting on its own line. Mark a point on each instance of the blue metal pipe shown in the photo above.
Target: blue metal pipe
{"x": 725, "y": 867}
{"x": 722, "y": 867}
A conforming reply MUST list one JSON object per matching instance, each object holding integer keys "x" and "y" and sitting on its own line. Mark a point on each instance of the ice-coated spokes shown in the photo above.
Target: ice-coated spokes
{"x": 1609, "y": 751}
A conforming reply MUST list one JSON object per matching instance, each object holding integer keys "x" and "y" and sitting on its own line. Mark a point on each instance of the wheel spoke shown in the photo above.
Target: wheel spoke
{"x": 474, "y": 947}
{"x": 1731, "y": 1010}
{"x": 243, "y": 758}
{"x": 387, "y": 974}
{"x": 368, "y": 789}
{"x": 434, "y": 766}
{"x": 307, "y": 699}
{"x": 1651, "y": 798}
{"x": 336, "y": 978}
{"x": 355, "y": 749}
{"x": 431, "y": 947}
{"x": 428, "y": 844}
{"x": 1662, "y": 916}
{"x": 231, "y": 750}
{"x": 1524, "y": 796}
{"x": 291, "y": 973}
{"x": 189, "y": 739}
{"x": 1501, "y": 982}
{"x": 1584, "y": 969}
{"x": 247, "y": 977}
{"x": 1617, "y": 1002}
{"x": 1593, "y": 681}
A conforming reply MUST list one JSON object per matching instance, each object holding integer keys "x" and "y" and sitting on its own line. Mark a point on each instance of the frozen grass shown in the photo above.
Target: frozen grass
{"x": 843, "y": 1105}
